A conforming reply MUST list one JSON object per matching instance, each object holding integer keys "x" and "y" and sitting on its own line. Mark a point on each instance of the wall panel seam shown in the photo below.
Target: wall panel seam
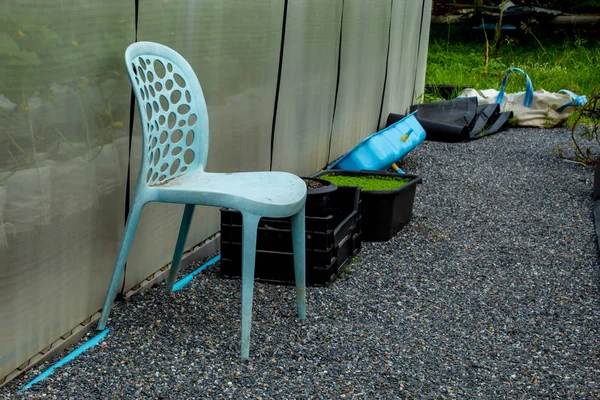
{"x": 337, "y": 84}
{"x": 387, "y": 63}
{"x": 418, "y": 51}
{"x": 278, "y": 85}
{"x": 132, "y": 105}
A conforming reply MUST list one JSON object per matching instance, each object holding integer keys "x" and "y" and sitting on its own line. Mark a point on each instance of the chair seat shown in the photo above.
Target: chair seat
{"x": 269, "y": 194}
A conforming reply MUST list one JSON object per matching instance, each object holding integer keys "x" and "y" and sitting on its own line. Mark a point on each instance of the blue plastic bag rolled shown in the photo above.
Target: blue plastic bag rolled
{"x": 382, "y": 149}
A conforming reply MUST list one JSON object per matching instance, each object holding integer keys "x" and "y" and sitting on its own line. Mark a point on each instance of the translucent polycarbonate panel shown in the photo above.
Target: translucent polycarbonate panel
{"x": 64, "y": 112}
{"x": 365, "y": 33}
{"x": 234, "y": 48}
{"x": 307, "y": 88}
{"x": 408, "y": 56}
{"x": 422, "y": 53}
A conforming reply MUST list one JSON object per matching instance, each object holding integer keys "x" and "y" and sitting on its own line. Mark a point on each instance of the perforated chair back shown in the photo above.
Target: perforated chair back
{"x": 173, "y": 112}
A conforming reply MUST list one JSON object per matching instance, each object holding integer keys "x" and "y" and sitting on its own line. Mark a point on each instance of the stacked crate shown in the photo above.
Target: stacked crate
{"x": 333, "y": 238}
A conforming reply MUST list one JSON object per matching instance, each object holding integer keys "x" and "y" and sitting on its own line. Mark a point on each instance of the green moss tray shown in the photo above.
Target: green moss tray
{"x": 367, "y": 182}
{"x": 386, "y": 199}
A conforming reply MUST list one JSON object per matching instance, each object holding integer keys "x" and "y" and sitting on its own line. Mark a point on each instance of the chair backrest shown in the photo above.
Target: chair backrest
{"x": 173, "y": 112}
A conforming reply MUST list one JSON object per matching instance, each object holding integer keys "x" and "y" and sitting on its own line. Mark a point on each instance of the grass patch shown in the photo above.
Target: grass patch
{"x": 572, "y": 63}
{"x": 367, "y": 182}
{"x": 346, "y": 271}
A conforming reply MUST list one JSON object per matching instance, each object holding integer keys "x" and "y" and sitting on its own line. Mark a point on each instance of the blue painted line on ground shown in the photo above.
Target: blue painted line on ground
{"x": 187, "y": 279}
{"x": 96, "y": 339}
{"x": 90, "y": 343}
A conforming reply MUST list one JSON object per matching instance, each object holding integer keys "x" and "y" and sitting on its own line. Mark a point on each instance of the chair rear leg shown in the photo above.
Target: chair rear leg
{"x": 299, "y": 241}
{"x": 186, "y": 221}
{"x": 250, "y": 227}
{"x": 130, "y": 227}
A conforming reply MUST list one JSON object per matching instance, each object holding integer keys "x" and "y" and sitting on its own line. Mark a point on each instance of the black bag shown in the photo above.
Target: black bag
{"x": 457, "y": 120}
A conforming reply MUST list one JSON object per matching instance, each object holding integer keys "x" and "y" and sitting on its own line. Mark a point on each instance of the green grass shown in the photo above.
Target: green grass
{"x": 346, "y": 270}
{"x": 572, "y": 63}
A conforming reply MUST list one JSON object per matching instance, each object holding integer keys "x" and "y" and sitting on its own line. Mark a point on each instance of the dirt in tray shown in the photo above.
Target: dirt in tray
{"x": 312, "y": 183}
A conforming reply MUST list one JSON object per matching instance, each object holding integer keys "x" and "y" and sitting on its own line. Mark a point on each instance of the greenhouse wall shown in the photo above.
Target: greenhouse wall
{"x": 290, "y": 85}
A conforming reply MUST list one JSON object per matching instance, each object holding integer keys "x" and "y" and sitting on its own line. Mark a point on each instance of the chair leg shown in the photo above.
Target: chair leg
{"x": 249, "y": 227}
{"x": 188, "y": 212}
{"x": 299, "y": 240}
{"x": 130, "y": 227}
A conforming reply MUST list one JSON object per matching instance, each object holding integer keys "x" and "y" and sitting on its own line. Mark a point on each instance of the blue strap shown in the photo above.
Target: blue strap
{"x": 528, "y": 88}
{"x": 576, "y": 101}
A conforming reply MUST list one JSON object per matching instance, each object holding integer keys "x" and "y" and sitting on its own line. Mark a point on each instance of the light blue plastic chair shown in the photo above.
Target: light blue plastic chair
{"x": 175, "y": 148}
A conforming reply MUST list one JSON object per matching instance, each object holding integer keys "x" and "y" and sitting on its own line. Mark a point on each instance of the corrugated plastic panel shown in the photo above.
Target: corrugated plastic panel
{"x": 64, "y": 107}
{"x": 365, "y": 33}
{"x": 308, "y": 83}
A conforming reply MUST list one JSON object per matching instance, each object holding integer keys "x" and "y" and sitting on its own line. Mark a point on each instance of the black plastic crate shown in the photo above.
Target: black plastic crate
{"x": 383, "y": 213}
{"x": 322, "y": 230}
{"x": 278, "y": 239}
{"x": 276, "y": 266}
{"x": 318, "y": 198}
{"x": 331, "y": 240}
{"x": 322, "y": 267}
{"x": 324, "y": 222}
{"x": 281, "y": 276}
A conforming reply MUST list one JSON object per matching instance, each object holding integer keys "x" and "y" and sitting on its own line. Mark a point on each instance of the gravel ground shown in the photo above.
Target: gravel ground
{"x": 491, "y": 291}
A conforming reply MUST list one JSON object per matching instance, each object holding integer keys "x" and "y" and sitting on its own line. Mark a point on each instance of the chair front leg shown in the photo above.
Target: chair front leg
{"x": 299, "y": 242}
{"x": 130, "y": 227}
{"x": 186, "y": 221}
{"x": 249, "y": 228}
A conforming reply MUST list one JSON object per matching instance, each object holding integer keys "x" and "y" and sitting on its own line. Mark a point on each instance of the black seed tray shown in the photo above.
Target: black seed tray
{"x": 383, "y": 213}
